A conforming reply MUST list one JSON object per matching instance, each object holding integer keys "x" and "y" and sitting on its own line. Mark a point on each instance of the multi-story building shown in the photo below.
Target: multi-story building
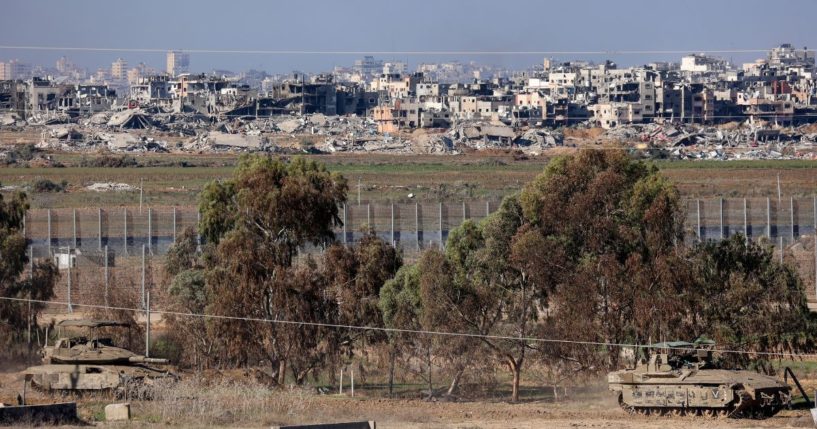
{"x": 14, "y": 69}
{"x": 700, "y": 63}
{"x": 786, "y": 55}
{"x": 119, "y": 69}
{"x": 177, "y": 62}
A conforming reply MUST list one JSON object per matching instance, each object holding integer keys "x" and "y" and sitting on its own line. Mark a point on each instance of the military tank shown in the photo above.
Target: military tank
{"x": 681, "y": 378}
{"x": 93, "y": 364}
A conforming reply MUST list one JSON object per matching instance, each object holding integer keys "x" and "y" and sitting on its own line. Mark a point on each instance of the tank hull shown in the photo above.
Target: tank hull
{"x": 126, "y": 380}
{"x": 702, "y": 392}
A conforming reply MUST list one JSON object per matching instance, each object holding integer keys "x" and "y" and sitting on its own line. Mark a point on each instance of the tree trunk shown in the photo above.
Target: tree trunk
{"x": 430, "y": 384}
{"x": 516, "y": 370}
{"x": 392, "y": 357}
{"x": 455, "y": 383}
{"x": 282, "y": 372}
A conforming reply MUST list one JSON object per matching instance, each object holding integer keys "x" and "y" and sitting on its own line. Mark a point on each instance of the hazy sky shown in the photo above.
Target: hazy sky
{"x": 385, "y": 25}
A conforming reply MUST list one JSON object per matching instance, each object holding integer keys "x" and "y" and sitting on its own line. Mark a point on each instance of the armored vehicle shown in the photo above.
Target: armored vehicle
{"x": 93, "y": 363}
{"x": 682, "y": 378}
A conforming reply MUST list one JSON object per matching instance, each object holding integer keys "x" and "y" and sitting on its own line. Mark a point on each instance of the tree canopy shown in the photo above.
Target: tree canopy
{"x": 38, "y": 284}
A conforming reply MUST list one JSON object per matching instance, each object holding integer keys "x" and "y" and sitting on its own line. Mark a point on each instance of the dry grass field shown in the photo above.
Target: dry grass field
{"x": 176, "y": 179}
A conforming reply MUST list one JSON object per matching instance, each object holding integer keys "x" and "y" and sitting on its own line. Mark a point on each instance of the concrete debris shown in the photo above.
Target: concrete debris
{"x": 127, "y": 142}
{"x": 63, "y": 132}
{"x": 128, "y": 130}
{"x": 101, "y": 118}
{"x": 117, "y": 412}
{"x": 130, "y": 119}
{"x": 109, "y": 186}
{"x": 290, "y": 126}
{"x": 536, "y": 141}
{"x": 223, "y": 141}
{"x": 8, "y": 119}
{"x": 433, "y": 144}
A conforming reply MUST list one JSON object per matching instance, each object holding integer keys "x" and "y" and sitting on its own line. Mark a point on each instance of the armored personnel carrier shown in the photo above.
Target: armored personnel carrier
{"x": 93, "y": 363}
{"x": 681, "y": 378}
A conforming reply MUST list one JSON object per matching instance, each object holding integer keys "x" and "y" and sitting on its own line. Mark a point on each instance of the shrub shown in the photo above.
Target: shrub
{"x": 45, "y": 185}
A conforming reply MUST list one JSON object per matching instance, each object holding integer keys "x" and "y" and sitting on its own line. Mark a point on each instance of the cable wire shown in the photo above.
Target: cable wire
{"x": 405, "y": 331}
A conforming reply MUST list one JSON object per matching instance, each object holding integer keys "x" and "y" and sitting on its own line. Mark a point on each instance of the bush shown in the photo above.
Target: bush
{"x": 108, "y": 161}
{"x": 19, "y": 154}
{"x": 45, "y": 185}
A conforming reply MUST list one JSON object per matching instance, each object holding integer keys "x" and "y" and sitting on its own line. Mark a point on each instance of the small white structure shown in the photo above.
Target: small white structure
{"x": 65, "y": 257}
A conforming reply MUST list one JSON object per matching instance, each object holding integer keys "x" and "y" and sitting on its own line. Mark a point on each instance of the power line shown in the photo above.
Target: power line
{"x": 382, "y": 52}
{"x": 403, "y": 331}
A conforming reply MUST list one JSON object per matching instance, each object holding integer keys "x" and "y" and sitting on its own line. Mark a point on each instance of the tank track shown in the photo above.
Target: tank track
{"x": 744, "y": 407}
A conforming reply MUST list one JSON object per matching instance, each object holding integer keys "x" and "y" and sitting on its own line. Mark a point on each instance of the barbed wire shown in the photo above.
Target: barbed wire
{"x": 409, "y": 331}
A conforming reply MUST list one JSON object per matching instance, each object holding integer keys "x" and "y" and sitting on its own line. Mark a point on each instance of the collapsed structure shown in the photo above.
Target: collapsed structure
{"x": 702, "y": 107}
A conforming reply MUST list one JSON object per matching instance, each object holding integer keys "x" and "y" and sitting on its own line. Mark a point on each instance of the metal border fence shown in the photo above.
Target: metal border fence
{"x": 88, "y": 241}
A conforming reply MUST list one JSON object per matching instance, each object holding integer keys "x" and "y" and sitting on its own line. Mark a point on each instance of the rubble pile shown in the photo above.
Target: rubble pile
{"x": 728, "y": 141}
{"x": 536, "y": 140}
{"x": 109, "y": 186}
{"x": 156, "y": 130}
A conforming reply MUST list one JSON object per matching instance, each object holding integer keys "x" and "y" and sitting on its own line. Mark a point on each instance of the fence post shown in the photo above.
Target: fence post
{"x": 147, "y": 325}
{"x": 721, "y": 215}
{"x": 174, "y": 224}
{"x": 369, "y": 217}
{"x": 768, "y": 218}
{"x": 340, "y": 388}
{"x": 699, "y": 219}
{"x": 393, "y": 242}
{"x": 815, "y": 249}
{"x": 74, "y": 227}
{"x": 464, "y": 212}
{"x": 442, "y": 243}
{"x": 143, "y": 276}
{"x": 49, "y": 232}
{"x": 150, "y": 230}
{"x": 70, "y": 307}
{"x": 791, "y": 216}
{"x": 344, "y": 224}
{"x": 125, "y": 246}
{"x": 417, "y": 223}
{"x": 198, "y": 230}
{"x": 780, "y": 239}
{"x": 487, "y": 208}
{"x": 25, "y": 229}
{"x": 745, "y": 221}
{"x": 99, "y": 226}
{"x": 106, "y": 256}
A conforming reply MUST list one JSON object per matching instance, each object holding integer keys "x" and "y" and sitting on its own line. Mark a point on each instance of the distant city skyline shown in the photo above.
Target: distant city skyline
{"x": 423, "y": 25}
